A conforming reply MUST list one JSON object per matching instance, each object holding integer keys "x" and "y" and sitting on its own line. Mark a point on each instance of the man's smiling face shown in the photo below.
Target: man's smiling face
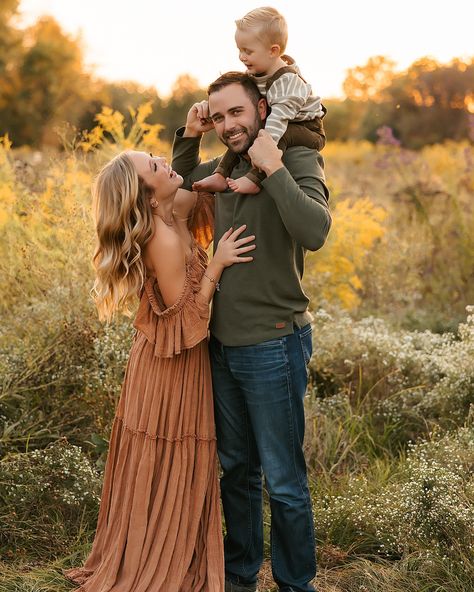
{"x": 237, "y": 120}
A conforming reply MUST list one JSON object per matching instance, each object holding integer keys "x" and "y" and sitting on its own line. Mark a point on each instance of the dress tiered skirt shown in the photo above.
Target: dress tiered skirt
{"x": 159, "y": 525}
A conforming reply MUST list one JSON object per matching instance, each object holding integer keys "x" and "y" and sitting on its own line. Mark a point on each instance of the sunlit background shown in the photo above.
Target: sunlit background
{"x": 152, "y": 42}
{"x": 389, "y": 436}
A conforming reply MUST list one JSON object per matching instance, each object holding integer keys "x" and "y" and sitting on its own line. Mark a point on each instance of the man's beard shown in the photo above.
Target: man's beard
{"x": 250, "y": 132}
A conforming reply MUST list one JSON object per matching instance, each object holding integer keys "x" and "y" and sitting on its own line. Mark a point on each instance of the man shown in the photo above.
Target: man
{"x": 261, "y": 333}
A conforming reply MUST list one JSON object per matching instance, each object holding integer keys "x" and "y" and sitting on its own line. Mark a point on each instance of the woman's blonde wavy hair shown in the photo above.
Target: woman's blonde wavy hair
{"x": 123, "y": 219}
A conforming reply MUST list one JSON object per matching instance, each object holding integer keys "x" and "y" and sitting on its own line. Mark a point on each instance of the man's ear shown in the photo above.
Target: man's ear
{"x": 262, "y": 108}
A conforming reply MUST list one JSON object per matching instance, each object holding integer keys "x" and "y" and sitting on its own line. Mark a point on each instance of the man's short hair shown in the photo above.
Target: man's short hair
{"x": 241, "y": 78}
{"x": 267, "y": 24}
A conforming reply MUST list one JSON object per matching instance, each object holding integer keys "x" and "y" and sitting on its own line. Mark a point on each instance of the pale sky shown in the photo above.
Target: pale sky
{"x": 152, "y": 42}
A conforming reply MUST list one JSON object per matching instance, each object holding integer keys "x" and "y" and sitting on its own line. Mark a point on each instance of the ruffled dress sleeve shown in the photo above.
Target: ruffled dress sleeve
{"x": 201, "y": 221}
{"x": 182, "y": 325}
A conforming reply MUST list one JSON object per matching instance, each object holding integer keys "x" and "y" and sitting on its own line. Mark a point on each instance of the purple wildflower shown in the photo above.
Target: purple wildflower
{"x": 468, "y": 160}
{"x": 386, "y": 137}
{"x": 470, "y": 126}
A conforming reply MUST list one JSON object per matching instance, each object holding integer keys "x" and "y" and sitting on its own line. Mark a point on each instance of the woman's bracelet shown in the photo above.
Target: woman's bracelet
{"x": 211, "y": 279}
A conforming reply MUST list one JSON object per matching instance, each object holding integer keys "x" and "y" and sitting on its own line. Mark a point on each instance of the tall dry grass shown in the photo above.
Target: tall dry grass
{"x": 390, "y": 433}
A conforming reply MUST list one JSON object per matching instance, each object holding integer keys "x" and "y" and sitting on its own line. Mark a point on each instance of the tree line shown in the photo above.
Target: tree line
{"x": 45, "y": 83}
{"x": 427, "y": 103}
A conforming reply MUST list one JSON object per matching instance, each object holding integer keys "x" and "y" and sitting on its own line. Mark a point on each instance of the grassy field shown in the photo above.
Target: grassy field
{"x": 390, "y": 414}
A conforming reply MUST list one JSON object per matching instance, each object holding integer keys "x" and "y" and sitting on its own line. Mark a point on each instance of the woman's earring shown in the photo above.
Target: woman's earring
{"x": 154, "y": 203}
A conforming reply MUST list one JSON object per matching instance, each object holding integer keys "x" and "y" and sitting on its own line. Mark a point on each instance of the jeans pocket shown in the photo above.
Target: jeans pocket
{"x": 278, "y": 342}
{"x": 306, "y": 342}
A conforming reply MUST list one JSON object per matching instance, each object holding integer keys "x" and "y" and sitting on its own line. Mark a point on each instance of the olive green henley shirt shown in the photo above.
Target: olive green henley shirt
{"x": 261, "y": 300}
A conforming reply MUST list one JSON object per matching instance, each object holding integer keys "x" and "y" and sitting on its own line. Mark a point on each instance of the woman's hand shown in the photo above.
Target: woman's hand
{"x": 228, "y": 252}
{"x": 230, "y": 247}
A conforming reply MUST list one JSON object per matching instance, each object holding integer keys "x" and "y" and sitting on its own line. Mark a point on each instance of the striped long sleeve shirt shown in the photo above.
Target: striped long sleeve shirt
{"x": 290, "y": 99}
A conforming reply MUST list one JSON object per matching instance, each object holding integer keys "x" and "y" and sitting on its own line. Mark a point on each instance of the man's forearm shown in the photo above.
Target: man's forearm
{"x": 185, "y": 157}
{"x": 186, "y": 161}
{"x": 302, "y": 202}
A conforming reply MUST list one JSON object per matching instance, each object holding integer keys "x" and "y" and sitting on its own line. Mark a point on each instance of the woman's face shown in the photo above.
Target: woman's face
{"x": 156, "y": 173}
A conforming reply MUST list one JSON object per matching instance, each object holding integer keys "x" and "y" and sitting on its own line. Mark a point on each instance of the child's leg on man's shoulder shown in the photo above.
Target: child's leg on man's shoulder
{"x": 256, "y": 176}
{"x": 227, "y": 163}
{"x": 304, "y": 133}
{"x": 217, "y": 181}
{"x": 299, "y": 133}
{"x": 250, "y": 183}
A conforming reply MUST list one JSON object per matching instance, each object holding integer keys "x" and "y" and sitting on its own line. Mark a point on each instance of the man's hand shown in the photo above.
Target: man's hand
{"x": 265, "y": 154}
{"x": 198, "y": 120}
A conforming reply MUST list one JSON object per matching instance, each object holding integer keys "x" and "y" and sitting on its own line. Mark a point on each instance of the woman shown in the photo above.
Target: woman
{"x": 159, "y": 525}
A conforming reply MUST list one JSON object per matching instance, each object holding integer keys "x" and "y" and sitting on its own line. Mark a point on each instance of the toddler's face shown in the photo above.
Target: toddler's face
{"x": 256, "y": 56}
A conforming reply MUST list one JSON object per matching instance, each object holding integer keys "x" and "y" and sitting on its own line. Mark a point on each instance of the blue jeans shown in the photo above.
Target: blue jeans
{"x": 258, "y": 397}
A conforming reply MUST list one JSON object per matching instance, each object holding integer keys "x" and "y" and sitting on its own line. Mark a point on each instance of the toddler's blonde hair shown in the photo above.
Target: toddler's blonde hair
{"x": 269, "y": 25}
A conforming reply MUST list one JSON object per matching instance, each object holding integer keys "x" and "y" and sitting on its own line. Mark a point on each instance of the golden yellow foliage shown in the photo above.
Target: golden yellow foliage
{"x": 7, "y": 194}
{"x": 335, "y": 269}
{"x": 112, "y": 134}
{"x": 46, "y": 228}
{"x": 448, "y": 162}
{"x": 347, "y": 152}
{"x": 47, "y": 232}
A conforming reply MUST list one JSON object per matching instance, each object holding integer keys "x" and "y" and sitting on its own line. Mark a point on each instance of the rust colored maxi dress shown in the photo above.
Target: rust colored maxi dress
{"x": 159, "y": 524}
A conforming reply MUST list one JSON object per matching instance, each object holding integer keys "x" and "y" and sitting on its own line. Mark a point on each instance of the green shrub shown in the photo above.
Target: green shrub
{"x": 48, "y": 497}
{"x": 427, "y": 503}
{"x": 61, "y": 373}
{"x": 409, "y": 380}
